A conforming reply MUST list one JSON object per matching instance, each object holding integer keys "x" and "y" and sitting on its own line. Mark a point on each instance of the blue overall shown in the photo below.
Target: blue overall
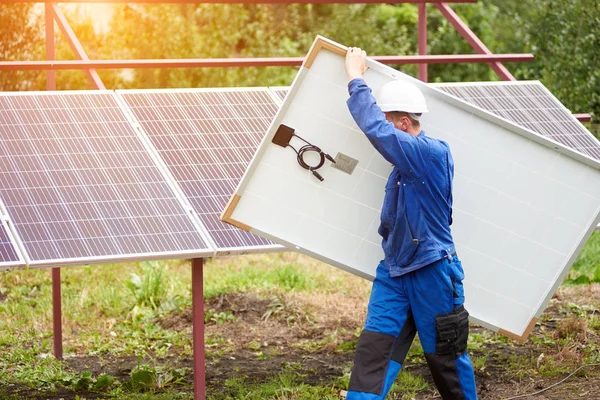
{"x": 418, "y": 286}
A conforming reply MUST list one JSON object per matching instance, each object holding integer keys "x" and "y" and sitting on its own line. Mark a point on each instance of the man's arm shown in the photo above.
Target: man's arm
{"x": 399, "y": 148}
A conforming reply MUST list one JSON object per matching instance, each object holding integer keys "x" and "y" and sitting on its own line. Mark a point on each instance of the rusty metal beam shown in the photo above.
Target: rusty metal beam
{"x": 76, "y": 46}
{"x": 57, "y": 336}
{"x": 473, "y": 40}
{"x": 249, "y": 62}
{"x": 422, "y": 29}
{"x": 49, "y": 17}
{"x": 583, "y": 117}
{"x": 198, "y": 329}
{"x": 247, "y": 1}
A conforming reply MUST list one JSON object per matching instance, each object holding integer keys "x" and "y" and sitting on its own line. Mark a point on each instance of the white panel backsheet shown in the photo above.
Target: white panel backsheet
{"x": 522, "y": 209}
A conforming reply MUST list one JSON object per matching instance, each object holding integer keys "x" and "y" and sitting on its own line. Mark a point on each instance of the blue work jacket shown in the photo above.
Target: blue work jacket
{"x": 417, "y": 208}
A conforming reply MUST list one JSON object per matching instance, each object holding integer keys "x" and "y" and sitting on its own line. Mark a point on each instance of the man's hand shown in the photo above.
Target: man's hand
{"x": 355, "y": 62}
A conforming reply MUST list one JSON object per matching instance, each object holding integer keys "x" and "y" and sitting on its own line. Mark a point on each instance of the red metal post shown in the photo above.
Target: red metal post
{"x": 247, "y": 1}
{"x": 473, "y": 40}
{"x": 56, "y": 296}
{"x": 250, "y": 62}
{"x": 57, "y": 314}
{"x": 423, "y": 40}
{"x": 64, "y": 26}
{"x": 198, "y": 329}
{"x": 583, "y": 117}
{"x": 50, "y": 75}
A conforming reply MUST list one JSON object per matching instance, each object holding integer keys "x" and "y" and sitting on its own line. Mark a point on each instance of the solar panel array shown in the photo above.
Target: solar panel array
{"x": 8, "y": 254}
{"x": 207, "y": 139}
{"x": 530, "y": 105}
{"x": 79, "y": 184}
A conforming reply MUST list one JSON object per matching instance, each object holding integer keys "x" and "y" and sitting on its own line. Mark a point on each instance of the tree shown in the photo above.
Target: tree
{"x": 19, "y": 40}
{"x": 564, "y": 36}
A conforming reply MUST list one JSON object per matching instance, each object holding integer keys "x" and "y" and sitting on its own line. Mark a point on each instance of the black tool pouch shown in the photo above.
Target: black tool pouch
{"x": 452, "y": 332}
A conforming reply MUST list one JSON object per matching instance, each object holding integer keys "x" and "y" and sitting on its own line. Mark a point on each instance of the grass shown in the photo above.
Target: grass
{"x": 587, "y": 267}
{"x": 287, "y": 385}
{"x": 115, "y": 311}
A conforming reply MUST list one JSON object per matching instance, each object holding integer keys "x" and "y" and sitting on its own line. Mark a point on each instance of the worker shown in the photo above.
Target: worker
{"x": 418, "y": 286}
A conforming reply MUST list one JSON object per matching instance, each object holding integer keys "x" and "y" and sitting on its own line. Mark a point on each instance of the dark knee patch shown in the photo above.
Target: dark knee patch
{"x": 370, "y": 362}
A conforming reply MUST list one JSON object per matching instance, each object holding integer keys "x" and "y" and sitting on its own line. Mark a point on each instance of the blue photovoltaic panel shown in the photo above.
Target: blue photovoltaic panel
{"x": 79, "y": 185}
{"x": 207, "y": 138}
{"x": 530, "y": 105}
{"x": 8, "y": 253}
{"x": 280, "y": 92}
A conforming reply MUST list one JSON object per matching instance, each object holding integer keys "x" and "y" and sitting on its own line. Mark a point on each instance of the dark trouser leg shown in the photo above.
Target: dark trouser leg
{"x": 384, "y": 343}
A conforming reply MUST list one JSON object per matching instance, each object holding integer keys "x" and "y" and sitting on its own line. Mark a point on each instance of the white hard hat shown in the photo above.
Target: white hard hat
{"x": 401, "y": 96}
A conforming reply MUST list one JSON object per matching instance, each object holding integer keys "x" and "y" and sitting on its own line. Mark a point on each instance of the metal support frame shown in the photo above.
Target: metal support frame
{"x": 250, "y": 62}
{"x": 49, "y": 17}
{"x": 57, "y": 314}
{"x": 56, "y": 292}
{"x": 423, "y": 40}
{"x": 473, "y": 40}
{"x": 247, "y": 1}
{"x": 583, "y": 117}
{"x": 198, "y": 328}
{"x": 76, "y": 46}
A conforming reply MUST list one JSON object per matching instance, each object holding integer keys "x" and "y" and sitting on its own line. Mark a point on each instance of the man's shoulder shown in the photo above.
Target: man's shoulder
{"x": 435, "y": 142}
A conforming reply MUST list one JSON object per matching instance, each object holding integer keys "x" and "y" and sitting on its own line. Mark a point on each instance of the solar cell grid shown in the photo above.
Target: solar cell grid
{"x": 79, "y": 184}
{"x": 280, "y": 92}
{"x": 8, "y": 252}
{"x": 207, "y": 138}
{"x": 532, "y": 106}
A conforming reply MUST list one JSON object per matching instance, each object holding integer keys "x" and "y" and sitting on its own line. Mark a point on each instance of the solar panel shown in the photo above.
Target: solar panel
{"x": 9, "y": 256}
{"x": 80, "y": 185}
{"x": 516, "y": 226}
{"x": 207, "y": 138}
{"x": 280, "y": 91}
{"x": 532, "y": 106}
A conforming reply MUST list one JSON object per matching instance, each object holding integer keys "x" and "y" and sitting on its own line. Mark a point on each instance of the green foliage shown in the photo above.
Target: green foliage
{"x": 20, "y": 39}
{"x": 564, "y": 36}
{"x": 587, "y": 267}
{"x": 218, "y": 317}
{"x": 148, "y": 289}
{"x": 407, "y": 385}
{"x": 286, "y": 276}
{"x": 86, "y": 381}
{"x": 293, "y": 278}
{"x": 287, "y": 385}
{"x": 482, "y": 19}
{"x": 95, "y": 46}
{"x": 146, "y": 378}
{"x": 143, "y": 378}
{"x": 206, "y": 31}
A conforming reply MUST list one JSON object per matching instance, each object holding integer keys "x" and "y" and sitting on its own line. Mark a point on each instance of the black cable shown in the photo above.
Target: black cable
{"x": 311, "y": 147}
